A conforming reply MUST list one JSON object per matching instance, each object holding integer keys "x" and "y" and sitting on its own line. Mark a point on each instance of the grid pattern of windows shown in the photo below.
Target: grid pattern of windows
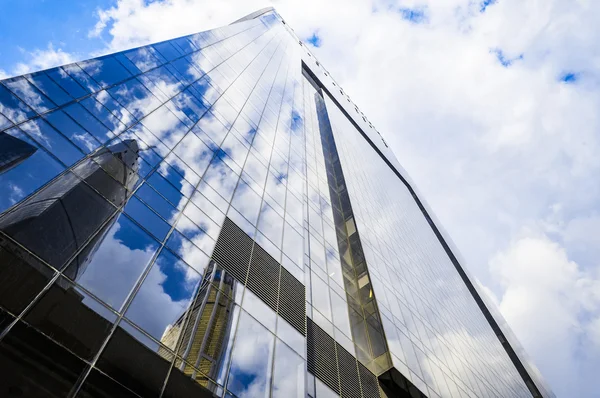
{"x": 117, "y": 176}
{"x": 172, "y": 215}
{"x": 437, "y": 335}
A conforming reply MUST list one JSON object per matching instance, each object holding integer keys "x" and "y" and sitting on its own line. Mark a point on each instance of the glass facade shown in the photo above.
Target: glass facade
{"x": 212, "y": 216}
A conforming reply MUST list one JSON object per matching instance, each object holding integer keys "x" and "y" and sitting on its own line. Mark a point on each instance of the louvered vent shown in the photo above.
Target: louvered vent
{"x": 263, "y": 278}
{"x": 348, "y": 373}
{"x": 233, "y": 249}
{"x": 368, "y": 381}
{"x": 292, "y": 305}
{"x": 321, "y": 356}
{"x": 251, "y": 265}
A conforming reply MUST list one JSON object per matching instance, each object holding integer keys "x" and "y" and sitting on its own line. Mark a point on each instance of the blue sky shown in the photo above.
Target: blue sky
{"x": 31, "y": 25}
{"x": 491, "y": 106}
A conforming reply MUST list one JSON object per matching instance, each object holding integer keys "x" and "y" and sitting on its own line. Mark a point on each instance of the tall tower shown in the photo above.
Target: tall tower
{"x": 265, "y": 241}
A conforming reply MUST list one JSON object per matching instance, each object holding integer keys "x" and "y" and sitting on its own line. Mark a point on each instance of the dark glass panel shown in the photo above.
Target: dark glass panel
{"x": 22, "y": 276}
{"x": 70, "y": 316}
{"x": 55, "y": 222}
{"x": 99, "y": 385}
{"x": 34, "y": 366}
{"x": 139, "y": 367}
{"x": 180, "y": 385}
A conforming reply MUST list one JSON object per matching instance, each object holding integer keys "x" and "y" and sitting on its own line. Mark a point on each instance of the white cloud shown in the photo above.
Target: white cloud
{"x": 553, "y": 306}
{"x": 39, "y": 59}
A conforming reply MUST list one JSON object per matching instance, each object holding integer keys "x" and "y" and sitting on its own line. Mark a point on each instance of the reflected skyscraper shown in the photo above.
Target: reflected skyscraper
{"x": 13, "y": 151}
{"x": 57, "y": 222}
{"x": 200, "y": 334}
{"x": 189, "y": 218}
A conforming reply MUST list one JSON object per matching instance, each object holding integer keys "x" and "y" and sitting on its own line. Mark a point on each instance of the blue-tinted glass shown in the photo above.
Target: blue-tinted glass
{"x": 73, "y": 131}
{"x": 12, "y": 107}
{"x": 165, "y": 188}
{"x": 193, "y": 107}
{"x": 118, "y": 262}
{"x": 35, "y": 169}
{"x": 81, "y": 77}
{"x": 167, "y": 50}
{"x": 176, "y": 179}
{"x": 184, "y": 45}
{"x": 134, "y": 97}
{"x": 147, "y": 218}
{"x": 28, "y": 93}
{"x": 102, "y": 114}
{"x": 156, "y": 201}
{"x": 221, "y": 178}
{"x": 186, "y": 70}
{"x": 202, "y": 216}
{"x": 288, "y": 373}
{"x": 162, "y": 83}
{"x": 49, "y": 88}
{"x": 196, "y": 230}
{"x": 67, "y": 83}
{"x": 165, "y": 126}
{"x": 143, "y": 58}
{"x": 250, "y": 371}
{"x": 106, "y": 71}
{"x": 130, "y": 66}
{"x": 188, "y": 251}
{"x": 118, "y": 111}
{"x": 4, "y": 122}
{"x": 52, "y": 140}
{"x": 164, "y": 296}
{"x": 88, "y": 121}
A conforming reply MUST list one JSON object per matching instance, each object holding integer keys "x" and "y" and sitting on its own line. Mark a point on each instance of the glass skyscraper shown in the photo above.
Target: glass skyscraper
{"x": 212, "y": 216}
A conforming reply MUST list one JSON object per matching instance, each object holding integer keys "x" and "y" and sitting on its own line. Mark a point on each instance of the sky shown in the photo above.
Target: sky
{"x": 490, "y": 106}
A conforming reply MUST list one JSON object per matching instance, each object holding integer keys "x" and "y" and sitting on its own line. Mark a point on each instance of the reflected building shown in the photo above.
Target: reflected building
{"x": 57, "y": 222}
{"x": 13, "y": 151}
{"x": 202, "y": 340}
{"x": 244, "y": 252}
